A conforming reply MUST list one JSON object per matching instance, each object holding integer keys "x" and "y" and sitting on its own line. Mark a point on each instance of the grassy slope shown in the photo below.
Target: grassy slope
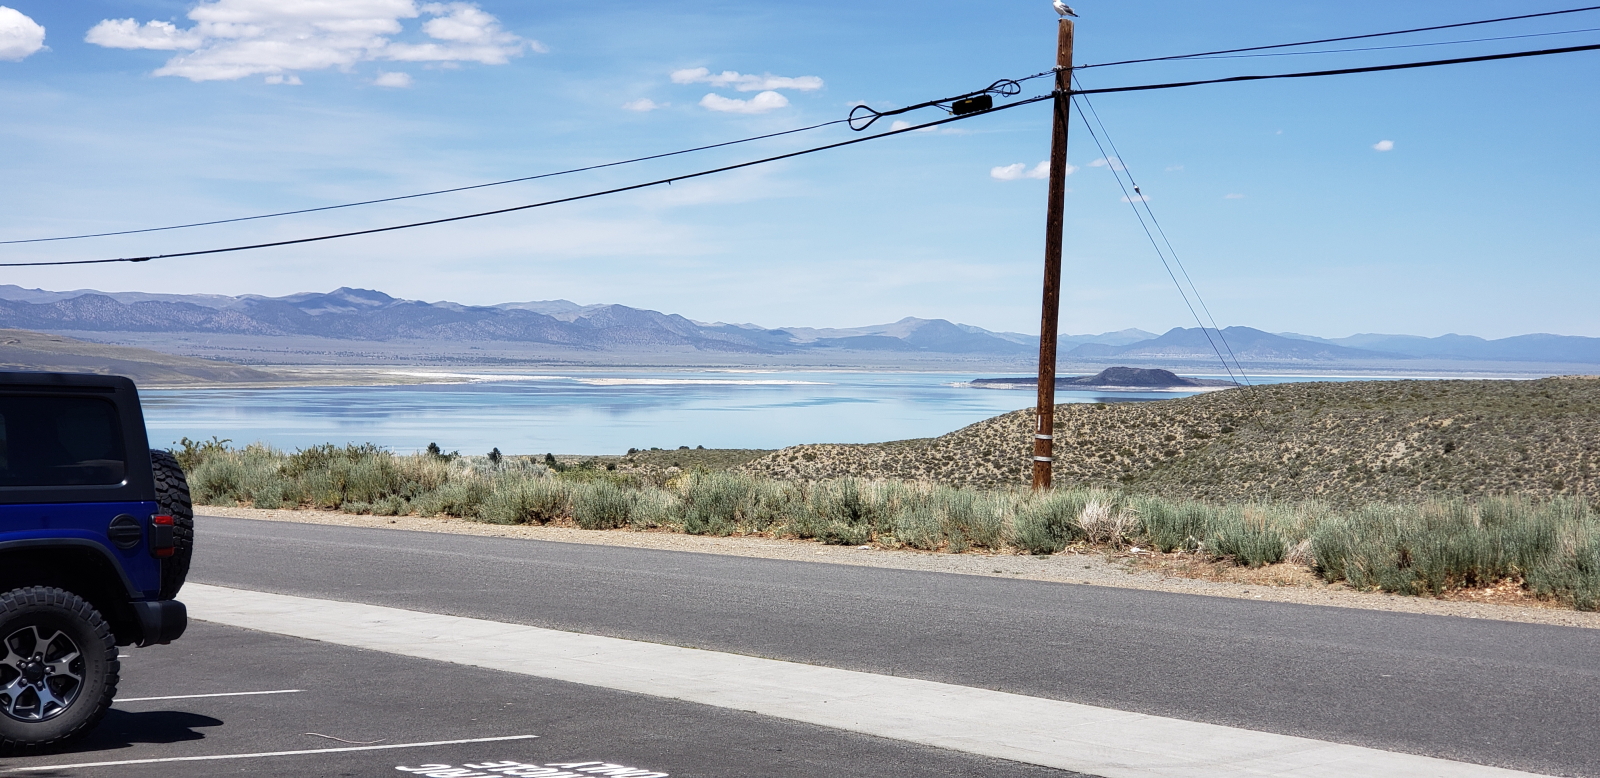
{"x": 35, "y": 351}
{"x": 1339, "y": 442}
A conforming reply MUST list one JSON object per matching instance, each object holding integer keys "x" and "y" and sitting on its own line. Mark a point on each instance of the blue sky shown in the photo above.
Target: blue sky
{"x": 1480, "y": 218}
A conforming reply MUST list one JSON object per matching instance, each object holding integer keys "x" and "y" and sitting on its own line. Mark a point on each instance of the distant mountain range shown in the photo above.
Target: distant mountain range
{"x": 362, "y": 314}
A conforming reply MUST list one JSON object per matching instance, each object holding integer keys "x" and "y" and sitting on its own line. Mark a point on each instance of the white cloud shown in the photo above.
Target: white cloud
{"x": 279, "y": 78}
{"x": 234, "y": 39}
{"x": 1138, "y": 198}
{"x": 1007, "y": 173}
{"x": 1112, "y": 162}
{"x": 127, "y": 34}
{"x": 1233, "y": 197}
{"x": 762, "y": 103}
{"x": 1384, "y": 145}
{"x": 902, "y": 124}
{"x": 20, "y": 36}
{"x": 396, "y": 80}
{"x": 745, "y": 83}
{"x": 643, "y": 105}
{"x": 1020, "y": 171}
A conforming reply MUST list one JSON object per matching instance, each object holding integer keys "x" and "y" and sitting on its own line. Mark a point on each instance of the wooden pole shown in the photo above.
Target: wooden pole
{"x": 1044, "y": 428}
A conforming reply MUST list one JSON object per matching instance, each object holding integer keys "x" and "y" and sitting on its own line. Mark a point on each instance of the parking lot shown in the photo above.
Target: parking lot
{"x": 357, "y": 652}
{"x": 335, "y": 711}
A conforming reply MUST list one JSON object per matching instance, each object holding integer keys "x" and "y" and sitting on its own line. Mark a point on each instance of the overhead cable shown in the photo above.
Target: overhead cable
{"x": 1129, "y": 197}
{"x": 575, "y": 198}
{"x": 1137, "y": 199}
{"x": 1345, "y": 38}
{"x": 429, "y": 194}
{"x": 1397, "y": 46}
{"x": 863, "y": 116}
{"x": 1344, "y": 71}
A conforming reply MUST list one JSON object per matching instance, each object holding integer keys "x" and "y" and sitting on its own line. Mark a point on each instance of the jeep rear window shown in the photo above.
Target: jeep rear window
{"x": 59, "y": 441}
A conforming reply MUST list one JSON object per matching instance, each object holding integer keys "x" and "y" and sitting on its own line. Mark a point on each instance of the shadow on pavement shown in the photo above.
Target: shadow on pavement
{"x": 121, "y": 729}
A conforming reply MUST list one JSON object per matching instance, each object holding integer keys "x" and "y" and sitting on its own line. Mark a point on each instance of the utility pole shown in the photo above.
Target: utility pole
{"x": 1044, "y": 428}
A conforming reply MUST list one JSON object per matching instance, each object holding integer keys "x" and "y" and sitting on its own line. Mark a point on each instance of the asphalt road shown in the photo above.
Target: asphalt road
{"x": 374, "y": 698}
{"x": 1513, "y": 695}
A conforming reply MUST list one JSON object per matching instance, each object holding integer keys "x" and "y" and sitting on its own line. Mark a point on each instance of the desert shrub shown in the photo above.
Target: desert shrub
{"x": 217, "y": 481}
{"x": 849, "y": 511}
{"x": 713, "y": 503}
{"x": 1553, "y": 546}
{"x": 1173, "y": 525}
{"x": 521, "y": 499}
{"x": 460, "y": 496}
{"x": 1103, "y": 520}
{"x": 192, "y": 453}
{"x": 770, "y": 504}
{"x": 1251, "y": 535}
{"x": 656, "y": 508}
{"x": 919, "y": 525}
{"x": 1046, "y": 523}
{"x": 603, "y": 505}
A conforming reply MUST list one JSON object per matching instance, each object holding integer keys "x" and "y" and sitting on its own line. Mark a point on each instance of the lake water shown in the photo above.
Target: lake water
{"x": 601, "y": 412}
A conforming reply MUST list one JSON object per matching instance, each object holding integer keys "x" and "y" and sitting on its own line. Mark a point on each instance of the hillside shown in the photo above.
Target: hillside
{"x": 24, "y": 350}
{"x": 1338, "y": 442}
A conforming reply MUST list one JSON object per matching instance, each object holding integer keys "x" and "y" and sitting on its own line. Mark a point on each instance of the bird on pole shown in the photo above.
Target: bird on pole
{"x": 1064, "y": 9}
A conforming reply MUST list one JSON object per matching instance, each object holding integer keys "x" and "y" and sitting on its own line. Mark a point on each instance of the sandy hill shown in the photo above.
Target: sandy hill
{"x": 1339, "y": 442}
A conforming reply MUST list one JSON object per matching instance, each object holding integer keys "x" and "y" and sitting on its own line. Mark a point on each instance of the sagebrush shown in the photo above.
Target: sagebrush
{"x": 1550, "y": 545}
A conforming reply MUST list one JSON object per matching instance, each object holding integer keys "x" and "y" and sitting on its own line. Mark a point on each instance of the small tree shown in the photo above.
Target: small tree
{"x": 495, "y": 456}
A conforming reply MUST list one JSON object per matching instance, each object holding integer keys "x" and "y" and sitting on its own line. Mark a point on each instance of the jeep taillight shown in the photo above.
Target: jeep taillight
{"x": 161, "y": 543}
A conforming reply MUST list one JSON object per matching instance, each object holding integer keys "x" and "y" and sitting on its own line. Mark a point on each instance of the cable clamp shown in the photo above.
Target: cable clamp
{"x": 1044, "y": 459}
{"x": 1044, "y": 437}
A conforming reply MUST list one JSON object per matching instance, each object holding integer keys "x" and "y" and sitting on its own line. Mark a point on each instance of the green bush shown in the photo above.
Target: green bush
{"x": 521, "y": 499}
{"x": 1253, "y": 536}
{"x": 603, "y": 505}
{"x": 1047, "y": 523}
{"x": 1428, "y": 547}
{"x": 1173, "y": 525}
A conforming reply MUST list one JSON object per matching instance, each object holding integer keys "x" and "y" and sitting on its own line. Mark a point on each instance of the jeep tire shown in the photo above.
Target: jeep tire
{"x": 58, "y": 668}
{"x": 172, "y": 494}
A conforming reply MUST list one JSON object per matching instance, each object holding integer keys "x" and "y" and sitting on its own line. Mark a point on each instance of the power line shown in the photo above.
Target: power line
{"x": 1139, "y": 199}
{"x": 1130, "y": 198}
{"x": 865, "y": 114}
{"x": 1399, "y": 46}
{"x": 429, "y": 194}
{"x": 1345, "y": 38}
{"x": 498, "y": 211}
{"x": 1343, "y": 71}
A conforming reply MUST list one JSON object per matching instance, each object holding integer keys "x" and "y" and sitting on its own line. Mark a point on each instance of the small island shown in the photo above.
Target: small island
{"x": 1113, "y": 379}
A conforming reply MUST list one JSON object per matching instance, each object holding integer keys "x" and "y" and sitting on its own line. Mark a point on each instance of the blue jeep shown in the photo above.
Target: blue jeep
{"x": 96, "y": 532}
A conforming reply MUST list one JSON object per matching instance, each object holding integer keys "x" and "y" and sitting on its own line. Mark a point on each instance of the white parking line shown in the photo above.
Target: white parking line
{"x": 219, "y": 757}
{"x": 1052, "y": 733}
{"x": 201, "y": 696}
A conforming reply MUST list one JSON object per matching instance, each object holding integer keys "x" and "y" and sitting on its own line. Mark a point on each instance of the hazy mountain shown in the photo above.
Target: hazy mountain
{"x": 1522, "y": 348}
{"x": 1244, "y": 343}
{"x": 364, "y": 314}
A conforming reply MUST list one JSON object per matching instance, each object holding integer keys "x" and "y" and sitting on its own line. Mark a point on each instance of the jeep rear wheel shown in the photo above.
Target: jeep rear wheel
{"x": 172, "y": 494}
{"x": 58, "y": 667}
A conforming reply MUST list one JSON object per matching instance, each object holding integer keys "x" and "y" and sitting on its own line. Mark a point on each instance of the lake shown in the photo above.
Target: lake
{"x": 602, "y": 412}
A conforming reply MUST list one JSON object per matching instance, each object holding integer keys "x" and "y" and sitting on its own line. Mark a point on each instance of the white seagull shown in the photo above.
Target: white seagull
{"x": 1064, "y": 9}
